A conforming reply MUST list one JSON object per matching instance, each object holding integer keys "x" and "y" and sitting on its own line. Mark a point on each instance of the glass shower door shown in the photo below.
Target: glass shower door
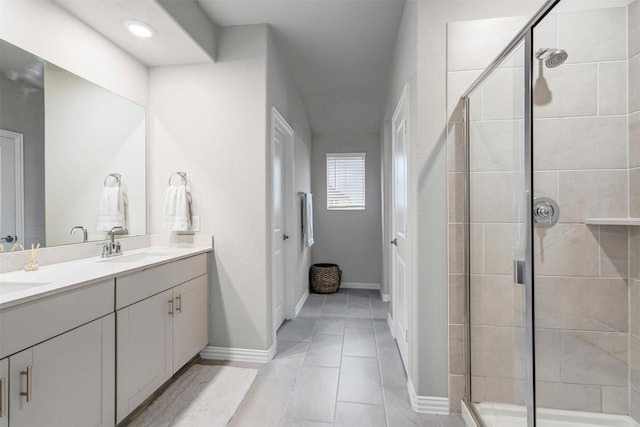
{"x": 586, "y": 158}
{"x": 497, "y": 234}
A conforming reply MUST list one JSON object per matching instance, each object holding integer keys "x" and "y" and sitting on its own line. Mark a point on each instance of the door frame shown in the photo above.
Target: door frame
{"x": 288, "y": 201}
{"x": 18, "y": 179}
{"x": 403, "y": 104}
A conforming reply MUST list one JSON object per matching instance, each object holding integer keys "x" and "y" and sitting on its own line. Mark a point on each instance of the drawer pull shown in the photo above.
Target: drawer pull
{"x": 28, "y": 392}
{"x": 179, "y": 305}
{"x": 171, "y": 307}
{"x": 3, "y": 385}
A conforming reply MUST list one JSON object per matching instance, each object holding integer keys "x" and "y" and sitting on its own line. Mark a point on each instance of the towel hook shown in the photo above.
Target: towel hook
{"x": 114, "y": 175}
{"x": 182, "y": 175}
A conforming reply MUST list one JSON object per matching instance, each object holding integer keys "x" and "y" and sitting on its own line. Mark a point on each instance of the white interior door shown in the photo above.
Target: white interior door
{"x": 400, "y": 250}
{"x": 11, "y": 186}
{"x": 281, "y": 135}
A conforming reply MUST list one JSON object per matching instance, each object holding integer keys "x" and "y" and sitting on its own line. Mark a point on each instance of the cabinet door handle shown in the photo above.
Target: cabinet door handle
{"x": 3, "y": 385}
{"x": 171, "y": 307}
{"x": 179, "y": 305}
{"x": 28, "y": 392}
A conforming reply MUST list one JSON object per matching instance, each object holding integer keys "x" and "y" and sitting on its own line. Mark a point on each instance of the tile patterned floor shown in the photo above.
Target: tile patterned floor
{"x": 336, "y": 365}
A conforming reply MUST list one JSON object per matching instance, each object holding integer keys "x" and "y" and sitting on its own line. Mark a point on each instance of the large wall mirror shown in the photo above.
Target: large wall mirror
{"x": 71, "y": 154}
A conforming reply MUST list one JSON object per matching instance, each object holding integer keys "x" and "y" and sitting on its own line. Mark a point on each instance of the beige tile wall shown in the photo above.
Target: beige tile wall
{"x": 582, "y": 272}
{"x": 633, "y": 15}
{"x": 588, "y": 159}
{"x": 499, "y": 371}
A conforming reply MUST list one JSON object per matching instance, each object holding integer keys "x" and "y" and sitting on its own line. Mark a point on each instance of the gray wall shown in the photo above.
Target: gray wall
{"x": 351, "y": 239}
{"x": 209, "y": 120}
{"x": 283, "y": 95}
{"x": 420, "y": 61}
{"x": 213, "y": 121}
{"x": 22, "y": 111}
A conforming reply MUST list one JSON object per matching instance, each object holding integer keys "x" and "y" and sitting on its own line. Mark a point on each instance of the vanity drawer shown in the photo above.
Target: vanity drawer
{"x": 25, "y": 325}
{"x": 143, "y": 284}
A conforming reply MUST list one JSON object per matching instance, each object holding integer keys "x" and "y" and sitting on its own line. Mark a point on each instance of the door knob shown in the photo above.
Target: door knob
{"x": 394, "y": 242}
{"x": 285, "y": 237}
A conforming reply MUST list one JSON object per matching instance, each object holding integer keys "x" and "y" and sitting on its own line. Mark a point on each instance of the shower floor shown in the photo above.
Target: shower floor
{"x": 503, "y": 415}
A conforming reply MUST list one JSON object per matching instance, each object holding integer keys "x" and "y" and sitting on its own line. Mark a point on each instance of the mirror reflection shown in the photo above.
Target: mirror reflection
{"x": 72, "y": 154}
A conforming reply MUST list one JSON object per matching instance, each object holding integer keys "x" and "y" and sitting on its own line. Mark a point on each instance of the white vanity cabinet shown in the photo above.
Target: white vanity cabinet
{"x": 59, "y": 359}
{"x": 4, "y": 390}
{"x": 66, "y": 381}
{"x": 162, "y": 323}
{"x": 190, "y": 320}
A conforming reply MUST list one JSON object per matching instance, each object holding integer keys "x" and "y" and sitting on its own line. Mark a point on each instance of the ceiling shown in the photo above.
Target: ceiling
{"x": 339, "y": 52}
{"x": 170, "y": 45}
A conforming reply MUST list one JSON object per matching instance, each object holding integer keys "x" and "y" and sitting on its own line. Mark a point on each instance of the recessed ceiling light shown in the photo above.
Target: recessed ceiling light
{"x": 139, "y": 29}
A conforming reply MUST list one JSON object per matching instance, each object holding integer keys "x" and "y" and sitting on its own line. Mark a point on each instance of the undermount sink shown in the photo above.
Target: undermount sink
{"x": 134, "y": 257}
{"x": 11, "y": 287}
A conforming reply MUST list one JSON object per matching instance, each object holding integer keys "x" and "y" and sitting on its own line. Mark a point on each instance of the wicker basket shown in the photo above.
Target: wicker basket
{"x": 325, "y": 278}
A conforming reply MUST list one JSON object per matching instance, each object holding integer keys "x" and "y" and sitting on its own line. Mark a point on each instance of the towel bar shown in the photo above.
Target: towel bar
{"x": 182, "y": 175}
{"x": 114, "y": 175}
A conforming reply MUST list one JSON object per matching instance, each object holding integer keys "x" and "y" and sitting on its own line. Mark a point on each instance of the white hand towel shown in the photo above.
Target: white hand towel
{"x": 111, "y": 210}
{"x": 308, "y": 220}
{"x": 176, "y": 214}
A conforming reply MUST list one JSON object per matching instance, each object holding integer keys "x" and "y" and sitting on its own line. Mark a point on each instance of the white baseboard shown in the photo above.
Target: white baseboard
{"x": 238, "y": 354}
{"x": 390, "y": 322}
{"x": 301, "y": 302}
{"x": 427, "y": 404}
{"x": 360, "y": 285}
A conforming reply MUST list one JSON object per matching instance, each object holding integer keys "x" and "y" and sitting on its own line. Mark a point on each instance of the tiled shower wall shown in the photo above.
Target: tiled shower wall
{"x": 581, "y": 161}
{"x": 634, "y": 191}
{"x": 587, "y": 159}
{"x": 468, "y": 53}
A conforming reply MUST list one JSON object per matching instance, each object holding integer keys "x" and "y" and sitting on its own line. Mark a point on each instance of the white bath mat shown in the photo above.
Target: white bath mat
{"x": 204, "y": 396}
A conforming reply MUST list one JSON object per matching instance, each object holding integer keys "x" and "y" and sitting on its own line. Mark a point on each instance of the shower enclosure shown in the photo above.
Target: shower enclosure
{"x": 552, "y": 223}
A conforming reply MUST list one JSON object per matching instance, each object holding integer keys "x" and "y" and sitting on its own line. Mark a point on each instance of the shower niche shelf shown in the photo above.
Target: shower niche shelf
{"x": 612, "y": 221}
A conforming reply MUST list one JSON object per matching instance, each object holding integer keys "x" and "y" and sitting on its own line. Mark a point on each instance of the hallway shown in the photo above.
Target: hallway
{"x": 336, "y": 365}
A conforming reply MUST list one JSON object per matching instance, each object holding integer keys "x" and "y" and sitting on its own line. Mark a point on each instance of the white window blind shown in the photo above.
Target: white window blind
{"x": 345, "y": 181}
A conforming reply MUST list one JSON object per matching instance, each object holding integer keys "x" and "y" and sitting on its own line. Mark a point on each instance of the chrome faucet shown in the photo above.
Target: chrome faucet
{"x": 84, "y": 232}
{"x": 113, "y": 248}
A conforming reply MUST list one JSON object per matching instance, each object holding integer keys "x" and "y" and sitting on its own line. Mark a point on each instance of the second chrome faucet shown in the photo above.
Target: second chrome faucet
{"x": 112, "y": 247}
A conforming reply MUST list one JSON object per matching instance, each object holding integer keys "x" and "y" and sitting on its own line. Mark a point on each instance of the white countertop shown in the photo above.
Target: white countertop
{"x": 17, "y": 287}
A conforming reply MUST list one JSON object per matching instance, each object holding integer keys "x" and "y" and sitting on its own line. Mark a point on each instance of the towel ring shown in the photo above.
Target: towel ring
{"x": 114, "y": 175}
{"x": 182, "y": 175}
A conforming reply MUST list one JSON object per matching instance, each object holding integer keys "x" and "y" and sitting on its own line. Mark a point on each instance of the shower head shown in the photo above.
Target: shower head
{"x": 552, "y": 57}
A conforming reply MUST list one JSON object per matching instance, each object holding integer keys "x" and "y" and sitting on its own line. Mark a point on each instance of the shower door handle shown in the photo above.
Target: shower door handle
{"x": 518, "y": 271}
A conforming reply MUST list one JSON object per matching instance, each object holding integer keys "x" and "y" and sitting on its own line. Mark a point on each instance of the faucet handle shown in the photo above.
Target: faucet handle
{"x": 118, "y": 227}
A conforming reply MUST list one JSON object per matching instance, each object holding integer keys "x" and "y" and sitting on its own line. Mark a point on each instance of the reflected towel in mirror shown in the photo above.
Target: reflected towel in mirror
{"x": 175, "y": 214}
{"x": 111, "y": 210}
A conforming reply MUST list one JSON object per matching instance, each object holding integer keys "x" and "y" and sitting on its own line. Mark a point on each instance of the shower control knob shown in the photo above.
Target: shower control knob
{"x": 545, "y": 212}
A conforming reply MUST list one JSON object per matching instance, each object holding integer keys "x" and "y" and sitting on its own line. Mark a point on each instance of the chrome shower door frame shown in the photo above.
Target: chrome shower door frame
{"x": 526, "y": 35}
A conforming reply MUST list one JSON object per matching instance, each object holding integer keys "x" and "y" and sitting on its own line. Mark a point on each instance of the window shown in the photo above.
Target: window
{"x": 345, "y": 181}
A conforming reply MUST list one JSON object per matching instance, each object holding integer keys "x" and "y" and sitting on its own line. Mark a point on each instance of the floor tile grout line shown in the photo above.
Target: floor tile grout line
{"x": 384, "y": 394}
{"x": 335, "y": 403}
